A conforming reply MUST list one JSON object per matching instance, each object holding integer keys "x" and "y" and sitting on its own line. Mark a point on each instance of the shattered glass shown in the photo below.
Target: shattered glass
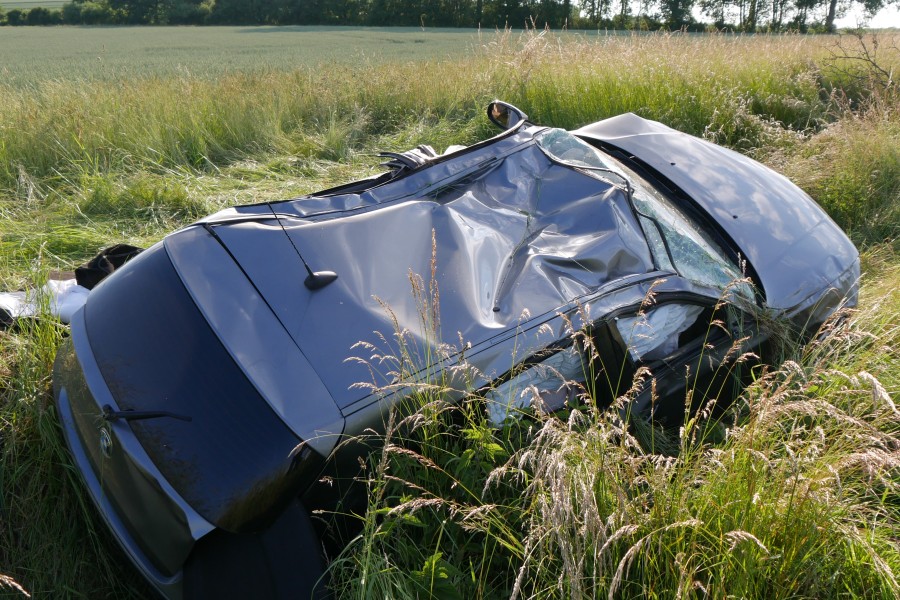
{"x": 676, "y": 242}
{"x": 553, "y": 381}
{"x": 679, "y": 244}
{"x": 655, "y": 333}
{"x": 562, "y": 146}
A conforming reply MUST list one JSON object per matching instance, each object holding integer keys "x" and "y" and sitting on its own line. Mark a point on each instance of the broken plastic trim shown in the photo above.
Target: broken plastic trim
{"x": 551, "y": 381}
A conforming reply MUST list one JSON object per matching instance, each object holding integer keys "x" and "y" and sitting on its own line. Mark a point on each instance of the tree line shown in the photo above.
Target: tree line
{"x": 735, "y": 15}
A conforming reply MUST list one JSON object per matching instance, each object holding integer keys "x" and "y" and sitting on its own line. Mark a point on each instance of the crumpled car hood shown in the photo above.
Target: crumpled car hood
{"x": 514, "y": 234}
{"x": 795, "y": 248}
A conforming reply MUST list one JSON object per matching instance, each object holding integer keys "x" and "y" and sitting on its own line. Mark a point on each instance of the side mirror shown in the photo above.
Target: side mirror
{"x": 505, "y": 115}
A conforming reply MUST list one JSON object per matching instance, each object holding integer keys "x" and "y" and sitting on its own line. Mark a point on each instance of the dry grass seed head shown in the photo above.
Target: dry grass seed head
{"x": 412, "y": 506}
{"x": 879, "y": 394}
{"x": 875, "y": 464}
{"x": 636, "y": 548}
{"x": 10, "y": 583}
{"x": 738, "y": 536}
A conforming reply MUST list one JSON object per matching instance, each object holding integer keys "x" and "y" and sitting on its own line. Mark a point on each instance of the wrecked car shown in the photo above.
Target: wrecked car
{"x": 205, "y": 389}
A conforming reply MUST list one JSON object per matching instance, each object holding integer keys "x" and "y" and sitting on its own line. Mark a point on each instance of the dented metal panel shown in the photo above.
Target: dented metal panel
{"x": 523, "y": 236}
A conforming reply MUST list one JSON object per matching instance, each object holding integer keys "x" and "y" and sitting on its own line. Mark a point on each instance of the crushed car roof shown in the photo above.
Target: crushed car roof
{"x": 515, "y": 233}
{"x": 524, "y": 224}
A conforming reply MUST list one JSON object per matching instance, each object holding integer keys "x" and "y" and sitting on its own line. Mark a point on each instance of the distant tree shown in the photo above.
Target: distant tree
{"x": 15, "y": 17}
{"x": 248, "y": 12}
{"x": 141, "y": 12}
{"x": 36, "y": 16}
{"x": 677, "y": 13}
{"x": 42, "y": 16}
{"x": 188, "y": 12}
{"x": 831, "y": 14}
{"x": 836, "y": 8}
{"x": 780, "y": 12}
{"x": 355, "y": 12}
{"x": 622, "y": 18}
{"x": 545, "y": 13}
{"x": 742, "y": 15}
{"x": 97, "y": 13}
{"x": 716, "y": 10}
{"x": 749, "y": 23}
{"x": 71, "y": 13}
{"x": 308, "y": 12}
{"x": 506, "y": 13}
{"x": 596, "y": 11}
{"x": 452, "y": 13}
{"x": 384, "y": 12}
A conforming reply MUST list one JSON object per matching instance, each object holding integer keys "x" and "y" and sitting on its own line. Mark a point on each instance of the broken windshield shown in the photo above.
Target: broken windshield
{"x": 677, "y": 242}
{"x": 562, "y": 146}
{"x": 689, "y": 248}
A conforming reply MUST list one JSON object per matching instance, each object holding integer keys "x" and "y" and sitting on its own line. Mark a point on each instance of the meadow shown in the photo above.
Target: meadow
{"x": 29, "y": 4}
{"x": 793, "y": 495}
{"x": 37, "y": 55}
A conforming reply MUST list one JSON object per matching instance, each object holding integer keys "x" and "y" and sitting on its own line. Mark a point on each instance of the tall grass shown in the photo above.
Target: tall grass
{"x": 852, "y": 168}
{"x": 697, "y": 84}
{"x": 715, "y": 85}
{"x": 63, "y": 143}
{"x": 51, "y": 536}
{"x": 799, "y": 498}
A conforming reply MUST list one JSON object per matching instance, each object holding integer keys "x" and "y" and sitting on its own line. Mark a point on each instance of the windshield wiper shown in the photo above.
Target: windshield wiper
{"x": 139, "y": 415}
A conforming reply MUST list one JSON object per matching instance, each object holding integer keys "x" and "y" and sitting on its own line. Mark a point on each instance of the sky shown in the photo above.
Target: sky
{"x": 887, "y": 17}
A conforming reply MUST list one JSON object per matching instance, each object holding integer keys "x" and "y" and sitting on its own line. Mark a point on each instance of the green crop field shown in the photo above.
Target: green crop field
{"x": 36, "y": 55}
{"x": 41, "y": 55}
{"x": 29, "y": 4}
{"x": 125, "y": 134}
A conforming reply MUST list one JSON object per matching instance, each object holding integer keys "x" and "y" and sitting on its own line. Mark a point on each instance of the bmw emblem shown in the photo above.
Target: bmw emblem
{"x": 106, "y": 442}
